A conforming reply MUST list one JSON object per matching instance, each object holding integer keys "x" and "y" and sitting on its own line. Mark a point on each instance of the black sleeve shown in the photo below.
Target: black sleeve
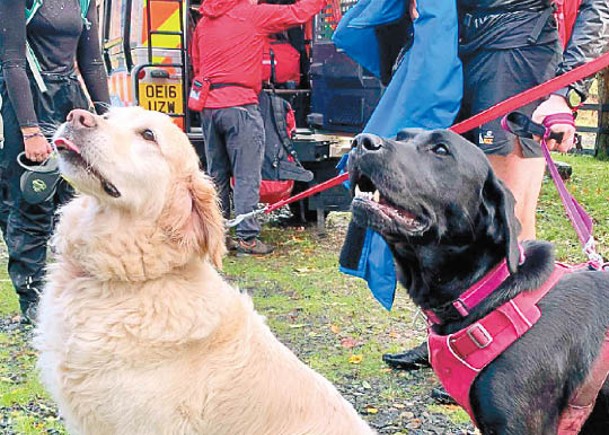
{"x": 13, "y": 61}
{"x": 89, "y": 59}
{"x": 590, "y": 37}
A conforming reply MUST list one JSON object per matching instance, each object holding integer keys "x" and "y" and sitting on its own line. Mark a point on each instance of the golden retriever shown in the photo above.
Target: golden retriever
{"x": 138, "y": 333}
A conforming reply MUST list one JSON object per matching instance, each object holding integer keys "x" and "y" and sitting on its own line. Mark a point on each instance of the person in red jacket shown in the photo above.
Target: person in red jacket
{"x": 227, "y": 57}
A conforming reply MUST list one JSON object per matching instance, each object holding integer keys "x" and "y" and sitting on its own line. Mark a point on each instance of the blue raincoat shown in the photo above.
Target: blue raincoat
{"x": 425, "y": 92}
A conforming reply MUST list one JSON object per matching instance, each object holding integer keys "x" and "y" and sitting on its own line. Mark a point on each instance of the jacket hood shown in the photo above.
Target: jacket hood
{"x": 216, "y": 8}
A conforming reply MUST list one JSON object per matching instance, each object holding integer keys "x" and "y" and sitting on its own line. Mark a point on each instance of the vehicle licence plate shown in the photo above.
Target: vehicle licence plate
{"x": 162, "y": 97}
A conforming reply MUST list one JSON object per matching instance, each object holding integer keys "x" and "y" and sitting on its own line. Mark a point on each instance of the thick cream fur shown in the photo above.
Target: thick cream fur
{"x": 138, "y": 333}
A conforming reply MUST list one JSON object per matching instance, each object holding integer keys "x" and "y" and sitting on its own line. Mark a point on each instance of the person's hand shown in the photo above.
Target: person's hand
{"x": 37, "y": 148}
{"x": 414, "y": 14}
{"x": 556, "y": 104}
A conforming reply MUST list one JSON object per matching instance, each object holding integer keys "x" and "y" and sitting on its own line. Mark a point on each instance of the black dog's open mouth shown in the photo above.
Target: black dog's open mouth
{"x": 71, "y": 153}
{"x": 373, "y": 208}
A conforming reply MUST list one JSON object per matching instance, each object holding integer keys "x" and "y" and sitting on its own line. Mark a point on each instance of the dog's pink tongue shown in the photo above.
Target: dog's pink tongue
{"x": 62, "y": 142}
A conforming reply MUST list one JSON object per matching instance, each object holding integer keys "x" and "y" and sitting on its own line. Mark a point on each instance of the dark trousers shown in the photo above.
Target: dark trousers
{"x": 26, "y": 228}
{"x": 491, "y": 76}
{"x": 234, "y": 146}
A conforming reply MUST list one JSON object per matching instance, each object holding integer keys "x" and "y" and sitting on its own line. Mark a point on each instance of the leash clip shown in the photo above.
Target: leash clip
{"x": 240, "y": 218}
{"x": 594, "y": 258}
{"x": 418, "y": 315}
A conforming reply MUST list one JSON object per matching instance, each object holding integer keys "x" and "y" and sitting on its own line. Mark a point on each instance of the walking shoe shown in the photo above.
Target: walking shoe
{"x": 412, "y": 359}
{"x": 253, "y": 247}
{"x": 440, "y": 395}
{"x": 30, "y": 315}
{"x": 231, "y": 244}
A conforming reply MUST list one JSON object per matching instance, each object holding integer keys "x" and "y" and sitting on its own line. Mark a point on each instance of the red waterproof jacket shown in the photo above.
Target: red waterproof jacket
{"x": 228, "y": 44}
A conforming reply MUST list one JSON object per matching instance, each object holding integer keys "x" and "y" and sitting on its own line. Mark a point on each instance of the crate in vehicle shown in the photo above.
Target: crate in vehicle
{"x": 311, "y": 150}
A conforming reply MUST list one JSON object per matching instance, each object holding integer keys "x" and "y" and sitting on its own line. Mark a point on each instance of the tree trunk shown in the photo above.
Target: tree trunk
{"x": 602, "y": 138}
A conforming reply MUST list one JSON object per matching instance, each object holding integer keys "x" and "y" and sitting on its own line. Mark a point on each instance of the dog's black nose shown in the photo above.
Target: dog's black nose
{"x": 368, "y": 141}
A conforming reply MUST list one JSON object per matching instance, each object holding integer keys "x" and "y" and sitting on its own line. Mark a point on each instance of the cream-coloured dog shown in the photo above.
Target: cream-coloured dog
{"x": 137, "y": 332}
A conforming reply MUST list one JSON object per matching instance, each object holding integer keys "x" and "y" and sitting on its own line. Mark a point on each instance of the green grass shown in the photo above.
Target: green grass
{"x": 9, "y": 303}
{"x": 329, "y": 319}
{"x": 589, "y": 186}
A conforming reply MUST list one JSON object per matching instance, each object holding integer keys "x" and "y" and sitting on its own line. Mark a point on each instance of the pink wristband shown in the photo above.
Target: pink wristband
{"x": 558, "y": 118}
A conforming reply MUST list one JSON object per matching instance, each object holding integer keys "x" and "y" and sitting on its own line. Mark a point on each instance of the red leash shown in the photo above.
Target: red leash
{"x": 494, "y": 112}
{"x": 530, "y": 95}
{"x": 328, "y": 184}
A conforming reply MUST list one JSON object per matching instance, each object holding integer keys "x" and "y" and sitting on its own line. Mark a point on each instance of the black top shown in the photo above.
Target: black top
{"x": 60, "y": 39}
{"x": 502, "y": 5}
{"x": 503, "y": 24}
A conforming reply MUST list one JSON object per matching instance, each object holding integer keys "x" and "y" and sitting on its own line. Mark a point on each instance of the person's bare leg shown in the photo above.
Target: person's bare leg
{"x": 523, "y": 176}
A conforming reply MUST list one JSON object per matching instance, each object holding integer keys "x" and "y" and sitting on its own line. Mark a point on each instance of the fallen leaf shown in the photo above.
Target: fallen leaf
{"x": 356, "y": 359}
{"x": 299, "y": 325}
{"x": 366, "y": 385}
{"x": 399, "y": 405}
{"x": 349, "y": 343}
{"x": 335, "y": 329}
{"x": 414, "y": 424}
{"x": 371, "y": 410}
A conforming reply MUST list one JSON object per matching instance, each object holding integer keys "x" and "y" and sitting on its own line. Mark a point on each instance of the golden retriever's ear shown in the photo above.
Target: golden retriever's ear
{"x": 194, "y": 220}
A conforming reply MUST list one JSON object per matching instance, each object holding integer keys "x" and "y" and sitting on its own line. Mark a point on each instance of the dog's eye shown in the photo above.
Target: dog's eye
{"x": 441, "y": 149}
{"x": 148, "y": 135}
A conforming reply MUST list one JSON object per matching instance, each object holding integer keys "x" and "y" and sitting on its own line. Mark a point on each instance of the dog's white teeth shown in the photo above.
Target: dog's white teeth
{"x": 363, "y": 195}
{"x": 376, "y": 197}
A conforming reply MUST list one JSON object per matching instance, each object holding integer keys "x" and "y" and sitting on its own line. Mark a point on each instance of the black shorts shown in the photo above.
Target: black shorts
{"x": 491, "y": 76}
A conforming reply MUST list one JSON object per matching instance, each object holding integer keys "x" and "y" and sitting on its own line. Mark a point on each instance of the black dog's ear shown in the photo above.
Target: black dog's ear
{"x": 499, "y": 202}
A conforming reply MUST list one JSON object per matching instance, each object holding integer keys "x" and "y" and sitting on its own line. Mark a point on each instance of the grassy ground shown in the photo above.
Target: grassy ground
{"x": 330, "y": 320}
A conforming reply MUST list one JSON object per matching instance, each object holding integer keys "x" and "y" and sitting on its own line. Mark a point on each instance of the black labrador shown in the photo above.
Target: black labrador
{"x": 448, "y": 221}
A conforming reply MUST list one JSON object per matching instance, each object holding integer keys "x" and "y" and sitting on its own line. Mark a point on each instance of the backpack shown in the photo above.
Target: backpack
{"x": 566, "y": 15}
{"x": 30, "y": 55}
{"x": 280, "y": 167}
{"x": 280, "y": 61}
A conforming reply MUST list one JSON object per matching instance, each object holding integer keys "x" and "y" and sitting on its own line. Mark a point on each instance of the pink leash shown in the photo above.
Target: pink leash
{"x": 520, "y": 125}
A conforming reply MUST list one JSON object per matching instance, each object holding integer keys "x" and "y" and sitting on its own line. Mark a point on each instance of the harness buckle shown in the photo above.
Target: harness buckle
{"x": 461, "y": 307}
{"x": 479, "y": 335}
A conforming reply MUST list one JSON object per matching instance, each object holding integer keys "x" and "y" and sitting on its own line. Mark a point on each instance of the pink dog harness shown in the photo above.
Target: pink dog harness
{"x": 458, "y": 358}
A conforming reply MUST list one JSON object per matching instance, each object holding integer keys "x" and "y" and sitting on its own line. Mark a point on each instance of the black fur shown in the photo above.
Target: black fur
{"x": 457, "y": 222}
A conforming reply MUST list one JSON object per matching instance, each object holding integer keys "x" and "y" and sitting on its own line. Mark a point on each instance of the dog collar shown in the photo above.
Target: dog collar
{"x": 474, "y": 295}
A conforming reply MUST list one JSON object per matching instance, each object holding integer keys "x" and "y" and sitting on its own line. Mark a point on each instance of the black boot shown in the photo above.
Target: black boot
{"x": 440, "y": 395}
{"x": 412, "y": 359}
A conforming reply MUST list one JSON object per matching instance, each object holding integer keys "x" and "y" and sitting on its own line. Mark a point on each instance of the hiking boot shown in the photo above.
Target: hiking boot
{"x": 253, "y": 247}
{"x": 30, "y": 315}
{"x": 440, "y": 395}
{"x": 231, "y": 244}
{"x": 412, "y": 359}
